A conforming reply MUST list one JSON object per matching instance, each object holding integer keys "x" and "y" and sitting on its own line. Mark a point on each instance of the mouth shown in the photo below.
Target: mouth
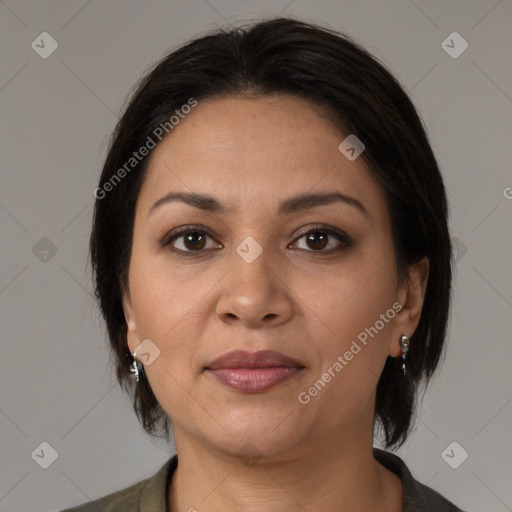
{"x": 253, "y": 372}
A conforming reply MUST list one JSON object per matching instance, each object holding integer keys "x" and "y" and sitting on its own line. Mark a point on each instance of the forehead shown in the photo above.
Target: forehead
{"x": 245, "y": 150}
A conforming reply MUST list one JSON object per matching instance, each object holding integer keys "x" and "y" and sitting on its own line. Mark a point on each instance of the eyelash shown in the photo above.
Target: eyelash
{"x": 340, "y": 235}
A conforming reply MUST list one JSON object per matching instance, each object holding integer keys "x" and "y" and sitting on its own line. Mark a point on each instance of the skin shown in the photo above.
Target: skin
{"x": 268, "y": 451}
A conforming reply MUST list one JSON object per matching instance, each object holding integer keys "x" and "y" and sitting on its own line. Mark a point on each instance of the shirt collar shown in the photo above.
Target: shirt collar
{"x": 153, "y": 497}
{"x": 412, "y": 497}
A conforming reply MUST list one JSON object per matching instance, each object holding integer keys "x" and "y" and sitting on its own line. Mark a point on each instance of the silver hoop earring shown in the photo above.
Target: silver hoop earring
{"x": 134, "y": 367}
{"x": 404, "y": 345}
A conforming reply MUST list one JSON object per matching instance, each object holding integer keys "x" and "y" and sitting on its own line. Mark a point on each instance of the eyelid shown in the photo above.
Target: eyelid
{"x": 342, "y": 237}
{"x": 182, "y": 230}
{"x": 338, "y": 233}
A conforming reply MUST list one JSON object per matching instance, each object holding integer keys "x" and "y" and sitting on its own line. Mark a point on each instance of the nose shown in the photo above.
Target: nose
{"x": 255, "y": 294}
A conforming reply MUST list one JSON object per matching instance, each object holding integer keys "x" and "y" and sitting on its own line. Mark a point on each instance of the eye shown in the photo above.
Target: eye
{"x": 189, "y": 239}
{"x": 318, "y": 238}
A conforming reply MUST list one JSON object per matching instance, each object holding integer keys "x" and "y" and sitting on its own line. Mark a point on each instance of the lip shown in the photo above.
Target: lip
{"x": 253, "y": 372}
{"x": 260, "y": 359}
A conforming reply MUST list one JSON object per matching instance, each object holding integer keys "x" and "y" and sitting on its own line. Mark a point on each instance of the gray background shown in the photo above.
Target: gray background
{"x": 56, "y": 115}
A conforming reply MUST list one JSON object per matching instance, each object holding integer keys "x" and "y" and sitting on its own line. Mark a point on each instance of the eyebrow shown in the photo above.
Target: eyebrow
{"x": 292, "y": 205}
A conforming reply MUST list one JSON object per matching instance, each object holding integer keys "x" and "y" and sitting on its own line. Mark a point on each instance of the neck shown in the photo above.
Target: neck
{"x": 340, "y": 475}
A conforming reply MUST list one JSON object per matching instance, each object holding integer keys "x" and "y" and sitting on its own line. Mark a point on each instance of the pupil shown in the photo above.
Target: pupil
{"x": 314, "y": 237}
{"x": 192, "y": 239}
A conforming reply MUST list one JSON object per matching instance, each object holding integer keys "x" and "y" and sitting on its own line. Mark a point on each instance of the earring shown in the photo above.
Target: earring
{"x": 134, "y": 367}
{"x": 404, "y": 345}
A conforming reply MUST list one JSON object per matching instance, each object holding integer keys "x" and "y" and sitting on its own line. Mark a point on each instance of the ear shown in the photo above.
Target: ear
{"x": 131, "y": 323}
{"x": 410, "y": 295}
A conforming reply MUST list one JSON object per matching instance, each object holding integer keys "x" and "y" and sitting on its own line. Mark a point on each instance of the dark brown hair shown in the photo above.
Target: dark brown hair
{"x": 288, "y": 56}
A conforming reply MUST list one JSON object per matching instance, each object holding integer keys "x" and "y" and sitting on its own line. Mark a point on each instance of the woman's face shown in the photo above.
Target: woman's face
{"x": 264, "y": 271}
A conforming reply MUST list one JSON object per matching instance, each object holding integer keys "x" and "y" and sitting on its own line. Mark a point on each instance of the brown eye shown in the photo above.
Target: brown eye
{"x": 194, "y": 240}
{"x": 317, "y": 239}
{"x": 187, "y": 240}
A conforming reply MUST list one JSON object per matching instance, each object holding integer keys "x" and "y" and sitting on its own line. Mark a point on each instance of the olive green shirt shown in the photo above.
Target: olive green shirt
{"x": 150, "y": 495}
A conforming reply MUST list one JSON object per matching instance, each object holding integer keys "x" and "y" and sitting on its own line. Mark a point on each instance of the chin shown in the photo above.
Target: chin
{"x": 259, "y": 433}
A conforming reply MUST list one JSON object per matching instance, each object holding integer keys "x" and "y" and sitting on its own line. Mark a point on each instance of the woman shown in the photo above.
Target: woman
{"x": 272, "y": 259}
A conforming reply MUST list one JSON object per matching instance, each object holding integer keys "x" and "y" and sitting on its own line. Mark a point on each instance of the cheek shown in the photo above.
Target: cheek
{"x": 163, "y": 293}
{"x": 358, "y": 291}
{"x": 157, "y": 302}
{"x": 166, "y": 307}
{"x": 173, "y": 306}
{"x": 354, "y": 306}
{"x": 351, "y": 353}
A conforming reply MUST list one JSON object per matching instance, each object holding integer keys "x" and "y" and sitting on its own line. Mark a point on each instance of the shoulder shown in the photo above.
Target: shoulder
{"x": 417, "y": 497}
{"x": 125, "y": 499}
{"x": 134, "y": 498}
{"x": 430, "y": 498}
